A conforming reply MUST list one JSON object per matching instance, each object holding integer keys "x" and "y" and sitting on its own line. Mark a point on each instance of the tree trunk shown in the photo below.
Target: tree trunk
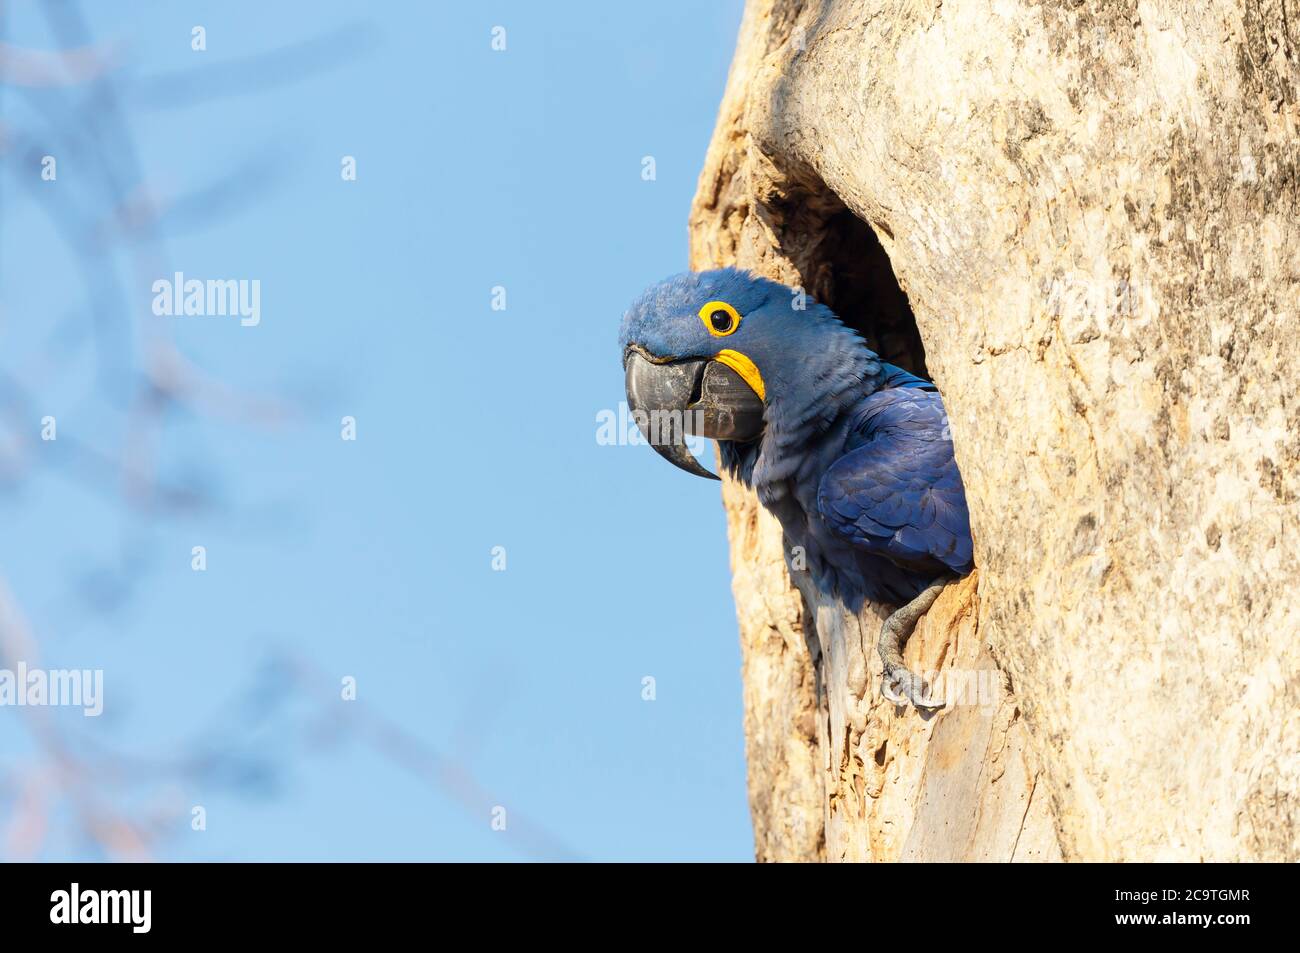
{"x": 1080, "y": 219}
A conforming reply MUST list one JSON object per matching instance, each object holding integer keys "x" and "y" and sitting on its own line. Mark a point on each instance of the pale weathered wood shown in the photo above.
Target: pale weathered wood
{"x": 1092, "y": 210}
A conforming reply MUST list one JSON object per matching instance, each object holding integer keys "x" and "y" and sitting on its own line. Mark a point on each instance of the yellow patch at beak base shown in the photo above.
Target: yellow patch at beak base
{"x": 745, "y": 368}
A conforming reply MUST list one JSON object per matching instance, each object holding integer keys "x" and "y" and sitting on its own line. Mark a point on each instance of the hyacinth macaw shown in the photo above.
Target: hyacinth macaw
{"x": 851, "y": 454}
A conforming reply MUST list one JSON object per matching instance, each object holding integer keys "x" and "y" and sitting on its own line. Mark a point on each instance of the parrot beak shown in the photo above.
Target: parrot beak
{"x": 693, "y": 396}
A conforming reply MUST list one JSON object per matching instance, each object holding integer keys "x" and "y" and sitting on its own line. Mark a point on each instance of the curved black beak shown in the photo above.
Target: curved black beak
{"x": 693, "y": 396}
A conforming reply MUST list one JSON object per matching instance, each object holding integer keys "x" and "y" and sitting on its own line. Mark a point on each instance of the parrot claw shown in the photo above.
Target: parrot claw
{"x": 887, "y": 689}
{"x": 899, "y": 685}
{"x": 902, "y": 687}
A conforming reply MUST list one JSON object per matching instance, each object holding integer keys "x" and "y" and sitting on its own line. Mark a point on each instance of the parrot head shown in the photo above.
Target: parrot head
{"x": 730, "y": 356}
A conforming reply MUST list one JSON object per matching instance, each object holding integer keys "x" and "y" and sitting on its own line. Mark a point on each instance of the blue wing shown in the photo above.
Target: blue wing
{"x": 893, "y": 376}
{"x": 897, "y": 492}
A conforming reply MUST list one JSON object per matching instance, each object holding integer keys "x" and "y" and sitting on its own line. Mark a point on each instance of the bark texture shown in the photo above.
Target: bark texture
{"x": 1091, "y": 208}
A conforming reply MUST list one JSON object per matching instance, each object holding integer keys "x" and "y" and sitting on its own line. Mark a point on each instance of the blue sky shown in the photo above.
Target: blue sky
{"x": 476, "y": 428}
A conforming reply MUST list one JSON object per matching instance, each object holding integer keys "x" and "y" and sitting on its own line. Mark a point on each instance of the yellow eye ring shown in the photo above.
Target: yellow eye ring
{"x": 720, "y": 318}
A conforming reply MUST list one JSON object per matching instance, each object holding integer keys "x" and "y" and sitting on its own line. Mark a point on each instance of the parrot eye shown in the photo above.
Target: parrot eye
{"x": 720, "y": 318}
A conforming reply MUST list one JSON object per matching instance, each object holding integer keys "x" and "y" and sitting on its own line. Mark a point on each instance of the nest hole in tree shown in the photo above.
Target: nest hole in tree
{"x": 845, "y": 267}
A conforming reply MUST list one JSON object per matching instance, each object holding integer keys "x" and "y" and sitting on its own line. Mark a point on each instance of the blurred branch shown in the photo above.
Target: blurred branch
{"x": 68, "y": 67}
{"x": 108, "y": 218}
{"x": 257, "y": 73}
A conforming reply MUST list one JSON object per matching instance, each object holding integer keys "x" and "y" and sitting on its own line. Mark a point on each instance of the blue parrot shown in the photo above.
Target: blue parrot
{"x": 851, "y": 454}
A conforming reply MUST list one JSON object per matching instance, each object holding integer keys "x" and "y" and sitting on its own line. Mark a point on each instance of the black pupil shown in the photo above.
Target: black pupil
{"x": 720, "y": 320}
